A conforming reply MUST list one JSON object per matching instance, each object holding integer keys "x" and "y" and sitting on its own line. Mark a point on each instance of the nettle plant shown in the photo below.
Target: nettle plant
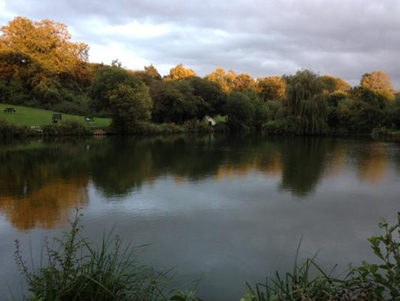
{"x": 383, "y": 278}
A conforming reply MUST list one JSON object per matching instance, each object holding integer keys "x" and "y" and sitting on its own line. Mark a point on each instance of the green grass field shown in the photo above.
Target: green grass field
{"x": 26, "y": 116}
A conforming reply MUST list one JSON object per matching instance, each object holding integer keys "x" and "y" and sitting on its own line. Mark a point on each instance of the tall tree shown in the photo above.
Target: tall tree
{"x": 212, "y": 95}
{"x": 148, "y": 75}
{"x": 180, "y": 72}
{"x": 304, "y": 102}
{"x": 129, "y": 105}
{"x": 244, "y": 82}
{"x": 223, "y": 79}
{"x": 125, "y": 97}
{"x": 380, "y": 83}
{"x": 46, "y": 41}
{"x": 271, "y": 87}
{"x": 175, "y": 101}
{"x": 332, "y": 84}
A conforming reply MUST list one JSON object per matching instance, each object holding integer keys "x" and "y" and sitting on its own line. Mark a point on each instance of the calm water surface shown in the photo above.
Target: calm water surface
{"x": 229, "y": 210}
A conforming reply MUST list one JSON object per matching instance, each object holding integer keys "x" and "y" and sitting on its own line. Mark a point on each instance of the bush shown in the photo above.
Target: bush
{"x": 145, "y": 128}
{"x": 285, "y": 126}
{"x": 9, "y": 130}
{"x": 197, "y": 126}
{"x": 75, "y": 270}
{"x": 359, "y": 116}
{"x": 380, "y": 281}
{"x": 221, "y": 127}
{"x": 67, "y": 128}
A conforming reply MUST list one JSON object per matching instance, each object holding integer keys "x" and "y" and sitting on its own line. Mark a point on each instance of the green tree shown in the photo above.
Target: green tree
{"x": 214, "y": 99}
{"x": 304, "y": 102}
{"x": 129, "y": 105}
{"x": 175, "y": 101}
{"x": 395, "y": 112}
{"x": 125, "y": 97}
{"x": 261, "y": 109}
{"x": 107, "y": 79}
{"x": 240, "y": 111}
{"x": 358, "y": 116}
{"x": 148, "y": 75}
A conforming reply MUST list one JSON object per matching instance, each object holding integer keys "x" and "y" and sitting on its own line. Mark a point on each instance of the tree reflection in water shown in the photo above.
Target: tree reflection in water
{"x": 41, "y": 182}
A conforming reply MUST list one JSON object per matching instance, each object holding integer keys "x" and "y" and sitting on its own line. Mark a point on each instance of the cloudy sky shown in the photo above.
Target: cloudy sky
{"x": 346, "y": 38}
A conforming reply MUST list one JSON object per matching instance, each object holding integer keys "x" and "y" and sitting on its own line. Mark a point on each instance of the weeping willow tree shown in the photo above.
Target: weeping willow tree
{"x": 305, "y": 102}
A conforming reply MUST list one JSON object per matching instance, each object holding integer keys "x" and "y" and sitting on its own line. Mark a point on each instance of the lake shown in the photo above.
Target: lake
{"x": 226, "y": 209}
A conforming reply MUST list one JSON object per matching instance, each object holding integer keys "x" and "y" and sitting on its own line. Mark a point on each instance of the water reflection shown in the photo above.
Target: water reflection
{"x": 373, "y": 163}
{"x": 41, "y": 182}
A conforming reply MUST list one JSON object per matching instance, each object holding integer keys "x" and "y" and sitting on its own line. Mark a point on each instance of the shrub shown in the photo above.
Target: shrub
{"x": 221, "y": 127}
{"x": 66, "y": 128}
{"x": 285, "y": 126}
{"x": 380, "y": 281}
{"x": 9, "y": 130}
{"x": 76, "y": 270}
{"x": 197, "y": 126}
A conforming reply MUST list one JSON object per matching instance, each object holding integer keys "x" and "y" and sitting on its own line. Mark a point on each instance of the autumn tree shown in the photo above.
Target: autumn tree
{"x": 15, "y": 76}
{"x": 271, "y": 87}
{"x": 380, "y": 83}
{"x": 224, "y": 79}
{"x": 46, "y": 41}
{"x": 40, "y": 64}
{"x": 180, "y": 72}
{"x": 332, "y": 84}
{"x": 244, "y": 82}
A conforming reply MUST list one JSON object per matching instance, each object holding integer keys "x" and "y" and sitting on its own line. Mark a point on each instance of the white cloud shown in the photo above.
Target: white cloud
{"x": 111, "y": 51}
{"x": 260, "y": 37}
{"x": 5, "y": 15}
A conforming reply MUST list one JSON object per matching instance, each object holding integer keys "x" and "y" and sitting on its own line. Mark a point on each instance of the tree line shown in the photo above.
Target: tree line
{"x": 40, "y": 66}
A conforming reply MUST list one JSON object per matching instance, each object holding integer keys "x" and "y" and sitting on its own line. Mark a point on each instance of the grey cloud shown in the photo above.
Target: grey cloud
{"x": 260, "y": 37}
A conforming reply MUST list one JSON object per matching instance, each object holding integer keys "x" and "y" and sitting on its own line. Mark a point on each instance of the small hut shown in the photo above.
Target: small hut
{"x": 209, "y": 120}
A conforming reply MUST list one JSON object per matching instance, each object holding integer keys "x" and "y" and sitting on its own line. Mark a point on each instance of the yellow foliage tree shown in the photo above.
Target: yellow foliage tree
{"x": 229, "y": 81}
{"x": 180, "y": 72}
{"x": 218, "y": 76}
{"x": 332, "y": 84}
{"x": 46, "y": 41}
{"x": 271, "y": 87}
{"x": 243, "y": 82}
{"x": 380, "y": 83}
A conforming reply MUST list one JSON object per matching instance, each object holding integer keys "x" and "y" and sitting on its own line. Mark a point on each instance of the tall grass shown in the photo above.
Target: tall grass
{"x": 76, "y": 270}
{"x": 309, "y": 282}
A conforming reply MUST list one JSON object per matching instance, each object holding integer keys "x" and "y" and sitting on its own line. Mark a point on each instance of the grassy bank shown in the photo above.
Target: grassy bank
{"x": 26, "y": 122}
{"x": 26, "y": 116}
{"x": 77, "y": 270}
